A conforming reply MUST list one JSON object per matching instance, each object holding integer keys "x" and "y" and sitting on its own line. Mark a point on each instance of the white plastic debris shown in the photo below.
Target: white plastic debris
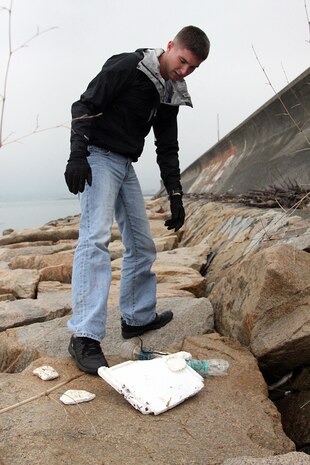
{"x": 151, "y": 386}
{"x": 176, "y": 363}
{"x": 46, "y": 373}
{"x": 76, "y": 396}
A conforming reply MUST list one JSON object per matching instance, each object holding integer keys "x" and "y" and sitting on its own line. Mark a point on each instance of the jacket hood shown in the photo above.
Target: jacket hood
{"x": 170, "y": 92}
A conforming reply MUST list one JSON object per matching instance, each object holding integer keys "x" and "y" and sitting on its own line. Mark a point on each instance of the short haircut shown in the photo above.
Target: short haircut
{"x": 195, "y": 40}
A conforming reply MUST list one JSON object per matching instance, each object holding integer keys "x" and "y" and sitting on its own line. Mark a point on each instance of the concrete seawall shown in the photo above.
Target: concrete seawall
{"x": 270, "y": 148}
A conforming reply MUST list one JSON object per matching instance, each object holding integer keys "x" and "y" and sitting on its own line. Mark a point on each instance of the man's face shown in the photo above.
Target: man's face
{"x": 179, "y": 62}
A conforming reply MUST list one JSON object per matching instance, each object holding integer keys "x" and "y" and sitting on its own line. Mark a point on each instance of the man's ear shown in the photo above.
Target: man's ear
{"x": 170, "y": 45}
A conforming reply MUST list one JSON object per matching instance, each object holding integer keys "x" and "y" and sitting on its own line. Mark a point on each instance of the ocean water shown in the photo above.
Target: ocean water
{"x": 35, "y": 213}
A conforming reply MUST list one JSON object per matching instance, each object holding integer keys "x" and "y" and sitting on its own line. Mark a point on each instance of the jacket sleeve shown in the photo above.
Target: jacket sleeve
{"x": 116, "y": 74}
{"x": 166, "y": 140}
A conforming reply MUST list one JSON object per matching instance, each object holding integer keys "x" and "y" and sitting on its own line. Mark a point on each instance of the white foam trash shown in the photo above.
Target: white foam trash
{"x": 76, "y": 396}
{"x": 154, "y": 386}
{"x": 46, "y": 372}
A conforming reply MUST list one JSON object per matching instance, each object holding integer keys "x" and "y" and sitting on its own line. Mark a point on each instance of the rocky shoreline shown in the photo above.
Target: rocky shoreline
{"x": 237, "y": 279}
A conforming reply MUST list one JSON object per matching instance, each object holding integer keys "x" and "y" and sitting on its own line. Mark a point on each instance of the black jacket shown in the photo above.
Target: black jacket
{"x": 117, "y": 111}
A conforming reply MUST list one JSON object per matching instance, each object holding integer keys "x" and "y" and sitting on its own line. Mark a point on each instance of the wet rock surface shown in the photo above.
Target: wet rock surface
{"x": 255, "y": 264}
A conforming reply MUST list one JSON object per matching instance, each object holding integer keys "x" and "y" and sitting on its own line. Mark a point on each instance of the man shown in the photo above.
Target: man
{"x": 133, "y": 93}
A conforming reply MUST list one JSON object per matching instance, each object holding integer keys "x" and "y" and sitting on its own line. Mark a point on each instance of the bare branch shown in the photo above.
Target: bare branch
{"x": 282, "y": 208}
{"x": 305, "y": 404}
{"x": 35, "y": 131}
{"x": 37, "y": 34}
{"x": 41, "y": 394}
{"x": 7, "y": 137}
{"x": 308, "y": 21}
{"x": 87, "y": 116}
{"x": 9, "y": 10}
{"x": 285, "y": 73}
{"x": 280, "y": 99}
{"x": 11, "y": 51}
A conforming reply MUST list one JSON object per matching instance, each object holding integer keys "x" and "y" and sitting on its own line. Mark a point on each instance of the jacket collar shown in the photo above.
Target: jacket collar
{"x": 170, "y": 92}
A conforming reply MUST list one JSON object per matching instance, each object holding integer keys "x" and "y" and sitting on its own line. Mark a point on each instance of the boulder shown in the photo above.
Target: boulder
{"x": 234, "y": 231}
{"x": 191, "y": 317}
{"x": 38, "y": 262}
{"x": 191, "y": 257}
{"x": 61, "y": 273}
{"x": 108, "y": 429}
{"x": 53, "y": 287}
{"x": 22, "y": 284}
{"x": 179, "y": 277}
{"x": 9, "y": 253}
{"x": 27, "y": 311}
{"x": 264, "y": 302}
{"x": 167, "y": 242}
{"x": 41, "y": 234}
{"x": 51, "y": 337}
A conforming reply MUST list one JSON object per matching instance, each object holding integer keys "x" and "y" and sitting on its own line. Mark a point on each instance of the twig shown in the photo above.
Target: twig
{"x": 35, "y": 131}
{"x": 37, "y": 34}
{"x": 11, "y": 51}
{"x": 282, "y": 208}
{"x": 308, "y": 21}
{"x": 285, "y": 73}
{"x": 305, "y": 404}
{"x": 42, "y": 394}
{"x": 280, "y": 99}
{"x": 9, "y": 10}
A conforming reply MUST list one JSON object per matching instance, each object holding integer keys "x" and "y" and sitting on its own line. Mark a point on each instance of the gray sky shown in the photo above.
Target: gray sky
{"x": 55, "y": 68}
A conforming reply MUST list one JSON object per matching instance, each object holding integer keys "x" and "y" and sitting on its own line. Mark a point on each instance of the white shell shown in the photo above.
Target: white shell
{"x": 46, "y": 373}
{"x": 76, "y": 396}
{"x": 176, "y": 363}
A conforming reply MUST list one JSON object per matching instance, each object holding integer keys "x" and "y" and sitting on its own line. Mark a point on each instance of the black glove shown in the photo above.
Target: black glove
{"x": 77, "y": 172}
{"x": 177, "y": 213}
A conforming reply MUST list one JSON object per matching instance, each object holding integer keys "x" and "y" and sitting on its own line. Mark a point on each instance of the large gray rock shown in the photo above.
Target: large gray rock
{"x": 264, "y": 302}
{"x": 9, "y": 253}
{"x": 234, "y": 231}
{"x": 191, "y": 317}
{"x": 20, "y": 283}
{"x": 27, "y": 311}
{"x": 191, "y": 257}
{"x": 230, "y": 417}
{"x": 50, "y": 338}
{"x": 41, "y": 234}
{"x": 38, "y": 262}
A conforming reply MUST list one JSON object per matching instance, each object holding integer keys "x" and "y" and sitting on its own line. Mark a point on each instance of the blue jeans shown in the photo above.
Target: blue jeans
{"x": 115, "y": 190}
